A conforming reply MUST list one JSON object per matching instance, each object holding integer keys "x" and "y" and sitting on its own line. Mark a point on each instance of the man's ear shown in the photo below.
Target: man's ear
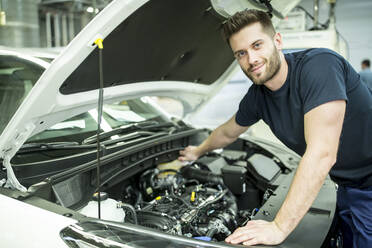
{"x": 278, "y": 41}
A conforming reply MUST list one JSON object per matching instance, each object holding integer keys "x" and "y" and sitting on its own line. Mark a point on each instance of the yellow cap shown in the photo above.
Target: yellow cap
{"x": 192, "y": 198}
{"x": 99, "y": 43}
{"x": 158, "y": 198}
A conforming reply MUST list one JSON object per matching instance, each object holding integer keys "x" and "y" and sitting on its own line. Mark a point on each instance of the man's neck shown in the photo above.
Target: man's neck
{"x": 279, "y": 79}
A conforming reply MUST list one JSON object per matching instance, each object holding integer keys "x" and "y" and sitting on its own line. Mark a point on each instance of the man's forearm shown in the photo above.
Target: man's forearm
{"x": 306, "y": 184}
{"x": 217, "y": 139}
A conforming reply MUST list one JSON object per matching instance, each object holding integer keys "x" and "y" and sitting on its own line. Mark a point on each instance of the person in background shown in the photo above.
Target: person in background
{"x": 366, "y": 73}
{"x": 315, "y": 103}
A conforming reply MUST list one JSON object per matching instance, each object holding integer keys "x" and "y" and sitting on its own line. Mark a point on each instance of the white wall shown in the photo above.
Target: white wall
{"x": 354, "y": 22}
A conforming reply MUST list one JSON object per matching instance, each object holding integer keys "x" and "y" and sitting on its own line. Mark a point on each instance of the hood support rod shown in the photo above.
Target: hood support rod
{"x": 98, "y": 42}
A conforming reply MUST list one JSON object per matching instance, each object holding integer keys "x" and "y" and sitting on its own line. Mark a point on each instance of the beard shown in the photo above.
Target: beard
{"x": 272, "y": 67}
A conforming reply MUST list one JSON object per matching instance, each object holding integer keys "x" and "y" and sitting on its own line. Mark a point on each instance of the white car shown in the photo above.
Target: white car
{"x": 52, "y": 170}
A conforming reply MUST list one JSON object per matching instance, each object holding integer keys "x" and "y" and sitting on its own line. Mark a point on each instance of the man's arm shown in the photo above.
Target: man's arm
{"x": 323, "y": 126}
{"x": 220, "y": 137}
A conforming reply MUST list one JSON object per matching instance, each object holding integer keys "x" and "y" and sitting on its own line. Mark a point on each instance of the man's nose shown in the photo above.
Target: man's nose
{"x": 252, "y": 57}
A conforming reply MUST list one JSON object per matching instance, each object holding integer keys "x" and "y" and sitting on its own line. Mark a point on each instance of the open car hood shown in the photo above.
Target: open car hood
{"x": 157, "y": 47}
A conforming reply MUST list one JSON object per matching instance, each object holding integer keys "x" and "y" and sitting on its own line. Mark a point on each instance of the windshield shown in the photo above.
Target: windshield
{"x": 114, "y": 115}
{"x": 17, "y": 77}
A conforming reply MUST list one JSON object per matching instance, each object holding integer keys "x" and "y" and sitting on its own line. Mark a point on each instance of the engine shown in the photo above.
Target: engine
{"x": 190, "y": 202}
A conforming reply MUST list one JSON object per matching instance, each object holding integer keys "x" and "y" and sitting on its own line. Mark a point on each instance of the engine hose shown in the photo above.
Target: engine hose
{"x": 201, "y": 175}
{"x": 233, "y": 207}
{"x": 222, "y": 194}
{"x": 138, "y": 199}
{"x": 130, "y": 209}
{"x": 211, "y": 232}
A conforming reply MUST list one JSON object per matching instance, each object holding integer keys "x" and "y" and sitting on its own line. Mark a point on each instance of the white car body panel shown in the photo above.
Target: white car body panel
{"x": 21, "y": 219}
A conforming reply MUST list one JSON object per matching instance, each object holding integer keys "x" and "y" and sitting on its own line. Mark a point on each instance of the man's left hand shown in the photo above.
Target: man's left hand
{"x": 257, "y": 232}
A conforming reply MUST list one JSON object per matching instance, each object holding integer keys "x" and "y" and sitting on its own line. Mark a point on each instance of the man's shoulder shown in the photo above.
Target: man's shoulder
{"x": 315, "y": 58}
{"x": 316, "y": 53}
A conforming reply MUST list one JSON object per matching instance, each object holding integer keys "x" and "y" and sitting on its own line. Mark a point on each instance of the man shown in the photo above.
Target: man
{"x": 366, "y": 73}
{"x": 315, "y": 104}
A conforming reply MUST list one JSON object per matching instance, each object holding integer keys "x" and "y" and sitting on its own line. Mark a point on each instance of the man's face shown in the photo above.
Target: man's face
{"x": 256, "y": 53}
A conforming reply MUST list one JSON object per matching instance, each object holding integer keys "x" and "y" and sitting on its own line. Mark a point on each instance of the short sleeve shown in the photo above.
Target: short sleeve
{"x": 322, "y": 80}
{"x": 247, "y": 113}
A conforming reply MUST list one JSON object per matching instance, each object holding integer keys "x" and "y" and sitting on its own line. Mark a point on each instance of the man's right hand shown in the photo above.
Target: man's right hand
{"x": 219, "y": 138}
{"x": 190, "y": 153}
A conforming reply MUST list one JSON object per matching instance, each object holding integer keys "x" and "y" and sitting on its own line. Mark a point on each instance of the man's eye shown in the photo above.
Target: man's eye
{"x": 241, "y": 54}
{"x": 257, "y": 45}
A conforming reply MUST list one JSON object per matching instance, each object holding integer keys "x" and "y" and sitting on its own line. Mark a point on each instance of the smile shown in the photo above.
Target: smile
{"x": 255, "y": 69}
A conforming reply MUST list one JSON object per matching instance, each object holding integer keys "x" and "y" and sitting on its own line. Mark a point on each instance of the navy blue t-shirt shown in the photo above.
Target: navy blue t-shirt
{"x": 318, "y": 76}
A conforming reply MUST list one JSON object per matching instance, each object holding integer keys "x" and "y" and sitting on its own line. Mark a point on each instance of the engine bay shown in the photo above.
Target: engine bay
{"x": 207, "y": 199}
{"x": 141, "y": 182}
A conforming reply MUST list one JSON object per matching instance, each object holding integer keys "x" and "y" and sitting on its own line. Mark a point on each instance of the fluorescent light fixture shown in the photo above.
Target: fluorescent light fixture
{"x": 90, "y": 9}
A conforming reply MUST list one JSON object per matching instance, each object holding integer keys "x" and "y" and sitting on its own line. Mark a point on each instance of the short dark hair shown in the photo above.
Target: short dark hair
{"x": 366, "y": 62}
{"x": 245, "y": 18}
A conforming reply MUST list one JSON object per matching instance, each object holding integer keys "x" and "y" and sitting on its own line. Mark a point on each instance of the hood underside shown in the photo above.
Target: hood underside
{"x": 163, "y": 40}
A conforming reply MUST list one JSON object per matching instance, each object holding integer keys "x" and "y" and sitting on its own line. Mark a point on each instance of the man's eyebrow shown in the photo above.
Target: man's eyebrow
{"x": 252, "y": 44}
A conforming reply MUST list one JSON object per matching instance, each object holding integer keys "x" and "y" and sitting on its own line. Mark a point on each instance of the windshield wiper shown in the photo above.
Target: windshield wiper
{"x": 32, "y": 147}
{"x": 135, "y": 131}
{"x": 138, "y": 126}
{"x": 133, "y": 136}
